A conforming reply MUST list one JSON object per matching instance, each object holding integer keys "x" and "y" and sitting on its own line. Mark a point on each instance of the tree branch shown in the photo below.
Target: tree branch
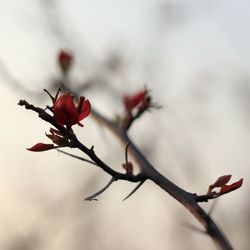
{"x": 188, "y": 200}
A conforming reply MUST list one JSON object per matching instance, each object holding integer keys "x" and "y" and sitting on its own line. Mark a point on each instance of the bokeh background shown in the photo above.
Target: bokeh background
{"x": 193, "y": 55}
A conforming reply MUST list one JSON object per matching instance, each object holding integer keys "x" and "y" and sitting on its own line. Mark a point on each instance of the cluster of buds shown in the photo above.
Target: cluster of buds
{"x": 137, "y": 101}
{"x": 66, "y": 113}
{"x": 56, "y": 137}
{"x": 135, "y": 105}
{"x": 221, "y": 183}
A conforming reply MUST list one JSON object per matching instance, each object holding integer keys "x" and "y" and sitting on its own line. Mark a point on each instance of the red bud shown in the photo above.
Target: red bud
{"x": 229, "y": 188}
{"x": 135, "y": 100}
{"x": 65, "y": 60}
{"x": 39, "y": 147}
{"x": 221, "y": 181}
{"x": 128, "y": 167}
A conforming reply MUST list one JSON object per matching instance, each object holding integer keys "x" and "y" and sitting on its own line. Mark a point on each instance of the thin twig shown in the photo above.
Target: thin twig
{"x": 207, "y": 197}
{"x": 77, "y": 157}
{"x": 126, "y": 153}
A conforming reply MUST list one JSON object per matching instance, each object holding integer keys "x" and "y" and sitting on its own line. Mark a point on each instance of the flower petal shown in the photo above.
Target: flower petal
{"x": 39, "y": 147}
{"x": 65, "y": 111}
{"x": 83, "y": 109}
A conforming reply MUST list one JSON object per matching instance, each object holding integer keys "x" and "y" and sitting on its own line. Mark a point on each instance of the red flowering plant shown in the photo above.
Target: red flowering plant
{"x": 65, "y": 113}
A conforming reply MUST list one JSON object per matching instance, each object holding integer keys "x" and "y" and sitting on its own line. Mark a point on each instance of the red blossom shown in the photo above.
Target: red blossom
{"x": 39, "y": 147}
{"x": 65, "y": 60}
{"x": 66, "y": 113}
{"x": 135, "y": 100}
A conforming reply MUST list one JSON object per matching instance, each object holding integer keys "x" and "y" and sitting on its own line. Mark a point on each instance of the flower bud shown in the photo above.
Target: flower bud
{"x": 128, "y": 167}
{"x": 65, "y": 61}
{"x": 39, "y": 147}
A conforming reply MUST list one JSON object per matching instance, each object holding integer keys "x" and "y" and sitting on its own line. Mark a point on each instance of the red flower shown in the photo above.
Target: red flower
{"x": 41, "y": 147}
{"x": 65, "y": 60}
{"x": 66, "y": 113}
{"x": 135, "y": 100}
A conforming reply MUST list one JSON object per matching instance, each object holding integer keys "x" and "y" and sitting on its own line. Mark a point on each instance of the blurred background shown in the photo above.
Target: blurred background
{"x": 193, "y": 55}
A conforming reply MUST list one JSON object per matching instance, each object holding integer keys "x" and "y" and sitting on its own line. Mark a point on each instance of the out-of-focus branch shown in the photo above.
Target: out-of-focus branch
{"x": 12, "y": 81}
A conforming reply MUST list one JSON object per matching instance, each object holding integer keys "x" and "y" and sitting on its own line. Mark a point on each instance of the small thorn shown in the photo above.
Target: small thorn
{"x": 134, "y": 190}
{"x": 93, "y": 197}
